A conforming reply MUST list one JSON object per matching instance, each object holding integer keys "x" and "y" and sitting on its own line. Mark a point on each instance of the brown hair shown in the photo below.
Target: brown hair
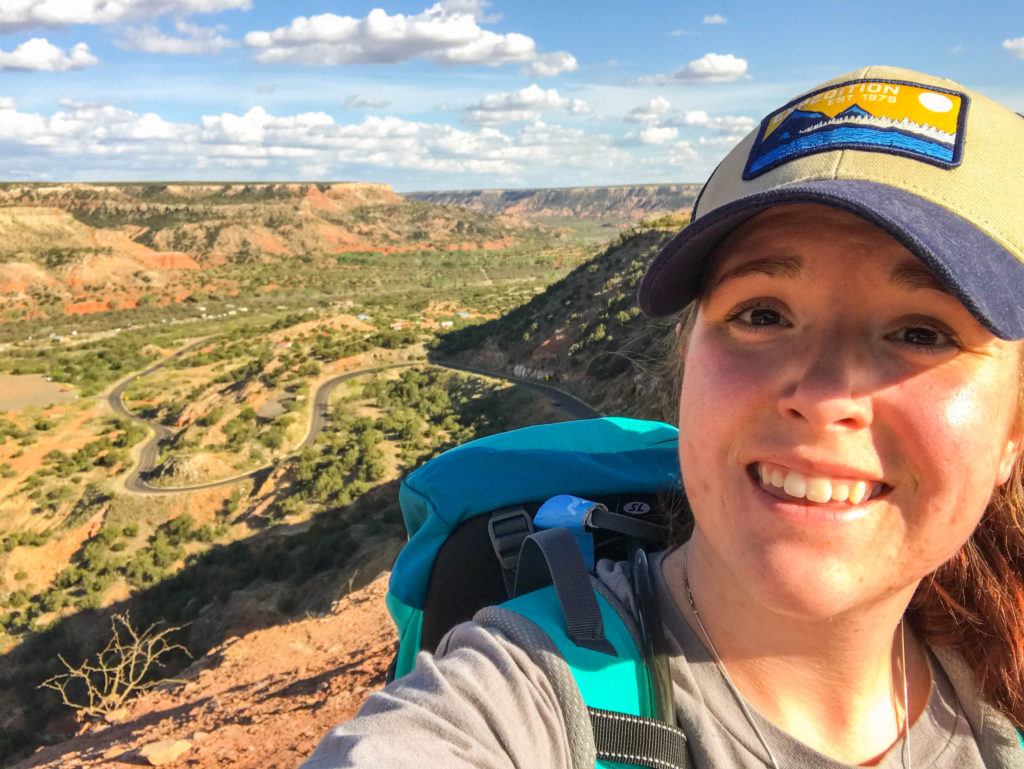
{"x": 974, "y": 602}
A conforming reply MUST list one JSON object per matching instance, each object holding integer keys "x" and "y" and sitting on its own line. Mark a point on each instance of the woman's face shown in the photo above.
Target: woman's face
{"x": 843, "y": 419}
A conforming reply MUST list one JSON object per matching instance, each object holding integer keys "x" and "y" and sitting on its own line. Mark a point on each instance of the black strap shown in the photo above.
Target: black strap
{"x": 648, "y": 620}
{"x": 637, "y": 740}
{"x": 600, "y": 517}
{"x": 508, "y": 528}
{"x": 553, "y": 557}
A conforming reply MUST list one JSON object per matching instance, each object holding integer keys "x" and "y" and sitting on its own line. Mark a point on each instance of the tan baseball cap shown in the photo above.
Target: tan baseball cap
{"x": 936, "y": 165}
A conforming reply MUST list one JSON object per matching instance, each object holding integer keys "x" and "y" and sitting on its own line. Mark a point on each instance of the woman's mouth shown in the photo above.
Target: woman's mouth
{"x": 785, "y": 483}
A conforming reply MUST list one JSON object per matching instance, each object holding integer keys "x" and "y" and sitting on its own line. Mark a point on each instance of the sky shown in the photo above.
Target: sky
{"x": 459, "y": 94}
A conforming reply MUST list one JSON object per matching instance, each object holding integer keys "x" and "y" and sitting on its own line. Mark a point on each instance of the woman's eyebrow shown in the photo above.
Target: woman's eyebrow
{"x": 774, "y": 266}
{"x": 913, "y": 275}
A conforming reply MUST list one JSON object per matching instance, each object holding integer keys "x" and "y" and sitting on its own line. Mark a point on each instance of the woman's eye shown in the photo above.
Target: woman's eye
{"x": 759, "y": 316}
{"x": 762, "y": 316}
{"x": 924, "y": 336}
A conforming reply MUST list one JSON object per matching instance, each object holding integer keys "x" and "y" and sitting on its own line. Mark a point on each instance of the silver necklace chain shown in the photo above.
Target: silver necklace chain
{"x": 906, "y": 760}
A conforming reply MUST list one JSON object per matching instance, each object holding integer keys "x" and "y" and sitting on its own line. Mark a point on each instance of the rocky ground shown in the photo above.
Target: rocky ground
{"x": 263, "y": 699}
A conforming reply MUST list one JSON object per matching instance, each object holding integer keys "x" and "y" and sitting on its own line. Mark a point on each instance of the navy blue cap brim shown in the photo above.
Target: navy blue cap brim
{"x": 986, "y": 277}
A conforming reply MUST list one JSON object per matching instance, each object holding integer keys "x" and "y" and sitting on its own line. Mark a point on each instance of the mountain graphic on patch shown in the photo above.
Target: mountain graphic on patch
{"x": 808, "y": 131}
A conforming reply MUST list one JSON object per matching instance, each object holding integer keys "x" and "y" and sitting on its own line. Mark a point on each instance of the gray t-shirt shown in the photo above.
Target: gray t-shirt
{"x": 482, "y": 703}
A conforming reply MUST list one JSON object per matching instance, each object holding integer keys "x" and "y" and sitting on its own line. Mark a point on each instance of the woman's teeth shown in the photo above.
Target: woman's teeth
{"x": 816, "y": 489}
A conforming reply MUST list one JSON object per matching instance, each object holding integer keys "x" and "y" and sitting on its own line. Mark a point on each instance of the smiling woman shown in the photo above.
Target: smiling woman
{"x": 838, "y": 428}
{"x": 851, "y": 299}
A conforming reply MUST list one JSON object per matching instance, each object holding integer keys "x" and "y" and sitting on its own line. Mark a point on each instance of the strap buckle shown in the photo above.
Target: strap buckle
{"x": 508, "y": 529}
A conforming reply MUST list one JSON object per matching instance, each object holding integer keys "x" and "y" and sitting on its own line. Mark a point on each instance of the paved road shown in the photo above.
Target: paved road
{"x": 150, "y": 454}
{"x": 321, "y": 409}
{"x": 570, "y": 404}
{"x": 151, "y": 450}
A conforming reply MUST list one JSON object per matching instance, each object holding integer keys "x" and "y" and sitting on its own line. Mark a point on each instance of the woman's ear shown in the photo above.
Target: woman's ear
{"x": 1011, "y": 452}
{"x": 679, "y": 329}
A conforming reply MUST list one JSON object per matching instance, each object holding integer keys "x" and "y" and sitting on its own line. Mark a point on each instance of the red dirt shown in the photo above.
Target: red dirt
{"x": 84, "y": 308}
{"x": 261, "y": 700}
{"x": 319, "y": 200}
{"x": 170, "y": 260}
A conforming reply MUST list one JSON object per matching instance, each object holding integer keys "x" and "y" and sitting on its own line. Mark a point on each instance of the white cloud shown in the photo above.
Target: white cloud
{"x": 150, "y": 39}
{"x": 105, "y": 141}
{"x": 531, "y": 96}
{"x": 473, "y": 7}
{"x": 355, "y": 101}
{"x": 548, "y": 64}
{"x": 494, "y": 117}
{"x": 649, "y": 112}
{"x": 725, "y": 123}
{"x": 258, "y": 127}
{"x": 715, "y": 18}
{"x": 577, "y": 107}
{"x": 726, "y": 141}
{"x": 710, "y": 68}
{"x": 713, "y": 68}
{"x": 1015, "y": 46}
{"x": 678, "y": 154}
{"x": 447, "y": 33}
{"x": 40, "y": 54}
{"x": 655, "y": 134}
{"x": 90, "y": 129}
{"x": 27, "y": 14}
{"x": 526, "y": 104}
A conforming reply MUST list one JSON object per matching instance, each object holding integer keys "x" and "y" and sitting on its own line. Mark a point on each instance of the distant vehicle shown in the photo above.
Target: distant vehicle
{"x": 556, "y": 403}
{"x": 65, "y": 389}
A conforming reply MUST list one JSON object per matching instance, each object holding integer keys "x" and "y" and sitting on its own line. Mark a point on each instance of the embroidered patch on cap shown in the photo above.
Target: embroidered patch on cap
{"x": 892, "y": 116}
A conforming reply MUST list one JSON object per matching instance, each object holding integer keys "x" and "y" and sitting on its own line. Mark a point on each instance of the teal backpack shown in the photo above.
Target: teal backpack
{"x": 504, "y": 531}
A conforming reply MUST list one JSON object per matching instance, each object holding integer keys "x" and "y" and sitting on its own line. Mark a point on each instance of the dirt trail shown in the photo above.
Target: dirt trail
{"x": 262, "y": 700}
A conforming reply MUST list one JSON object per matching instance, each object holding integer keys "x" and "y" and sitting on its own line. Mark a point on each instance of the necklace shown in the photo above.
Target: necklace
{"x": 743, "y": 703}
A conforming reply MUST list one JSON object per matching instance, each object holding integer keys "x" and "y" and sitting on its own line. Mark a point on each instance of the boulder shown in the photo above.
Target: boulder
{"x": 164, "y": 751}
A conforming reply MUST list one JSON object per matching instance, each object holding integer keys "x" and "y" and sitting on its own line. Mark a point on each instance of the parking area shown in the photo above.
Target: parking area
{"x": 24, "y": 390}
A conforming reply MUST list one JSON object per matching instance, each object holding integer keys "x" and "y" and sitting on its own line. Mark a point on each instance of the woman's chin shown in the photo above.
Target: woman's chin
{"x": 806, "y": 586}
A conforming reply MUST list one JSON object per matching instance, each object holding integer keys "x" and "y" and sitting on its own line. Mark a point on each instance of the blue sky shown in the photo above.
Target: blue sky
{"x": 454, "y": 95}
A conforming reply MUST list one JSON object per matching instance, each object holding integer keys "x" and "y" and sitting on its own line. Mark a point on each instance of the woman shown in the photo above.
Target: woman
{"x": 851, "y": 416}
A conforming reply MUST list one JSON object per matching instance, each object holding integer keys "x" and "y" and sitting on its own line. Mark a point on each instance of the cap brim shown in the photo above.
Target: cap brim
{"x": 976, "y": 269}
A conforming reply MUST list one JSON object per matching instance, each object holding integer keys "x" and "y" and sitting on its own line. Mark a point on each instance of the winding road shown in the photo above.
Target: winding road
{"x": 150, "y": 453}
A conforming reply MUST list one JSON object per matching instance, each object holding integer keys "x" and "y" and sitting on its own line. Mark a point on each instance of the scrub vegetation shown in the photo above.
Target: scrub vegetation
{"x": 229, "y": 375}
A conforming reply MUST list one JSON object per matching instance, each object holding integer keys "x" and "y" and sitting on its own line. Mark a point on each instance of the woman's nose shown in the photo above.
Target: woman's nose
{"x": 826, "y": 385}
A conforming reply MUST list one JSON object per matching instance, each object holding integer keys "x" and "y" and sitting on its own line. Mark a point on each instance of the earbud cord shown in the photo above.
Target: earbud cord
{"x": 743, "y": 704}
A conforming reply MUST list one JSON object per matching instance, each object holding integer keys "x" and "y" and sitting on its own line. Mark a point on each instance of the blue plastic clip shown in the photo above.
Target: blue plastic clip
{"x": 569, "y": 512}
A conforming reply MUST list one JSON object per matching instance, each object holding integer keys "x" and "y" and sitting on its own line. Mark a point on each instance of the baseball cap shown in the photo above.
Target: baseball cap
{"x": 937, "y": 166}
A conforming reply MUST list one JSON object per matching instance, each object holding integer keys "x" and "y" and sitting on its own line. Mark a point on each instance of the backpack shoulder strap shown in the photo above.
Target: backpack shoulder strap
{"x": 605, "y": 689}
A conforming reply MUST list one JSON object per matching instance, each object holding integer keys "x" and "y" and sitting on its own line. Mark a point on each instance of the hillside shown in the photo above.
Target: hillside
{"x": 82, "y": 248}
{"x": 620, "y": 204}
{"x": 285, "y": 542}
{"x": 586, "y": 334}
{"x": 277, "y": 691}
{"x": 285, "y": 643}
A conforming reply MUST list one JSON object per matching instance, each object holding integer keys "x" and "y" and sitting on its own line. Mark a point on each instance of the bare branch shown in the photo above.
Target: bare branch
{"x": 121, "y": 670}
